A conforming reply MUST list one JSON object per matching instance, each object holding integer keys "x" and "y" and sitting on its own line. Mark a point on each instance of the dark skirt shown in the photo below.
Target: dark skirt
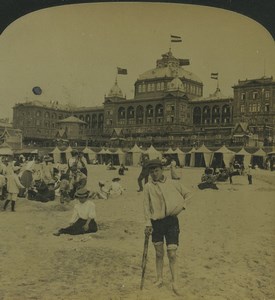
{"x": 26, "y": 178}
{"x": 77, "y": 227}
{"x": 206, "y": 185}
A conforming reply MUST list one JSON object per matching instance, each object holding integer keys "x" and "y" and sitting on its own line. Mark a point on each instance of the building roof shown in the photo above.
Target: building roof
{"x": 169, "y": 66}
{"x": 72, "y": 119}
{"x": 257, "y": 81}
{"x": 47, "y": 104}
{"x": 115, "y": 91}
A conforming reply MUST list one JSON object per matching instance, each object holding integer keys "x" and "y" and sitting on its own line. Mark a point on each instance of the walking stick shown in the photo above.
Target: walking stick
{"x": 144, "y": 258}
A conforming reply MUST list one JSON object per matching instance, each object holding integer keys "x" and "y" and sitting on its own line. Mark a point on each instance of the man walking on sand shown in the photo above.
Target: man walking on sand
{"x": 164, "y": 199}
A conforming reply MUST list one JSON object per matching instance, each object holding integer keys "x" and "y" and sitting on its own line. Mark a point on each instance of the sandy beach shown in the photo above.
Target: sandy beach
{"x": 226, "y": 252}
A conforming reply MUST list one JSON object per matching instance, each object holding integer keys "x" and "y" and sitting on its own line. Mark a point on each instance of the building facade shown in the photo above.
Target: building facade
{"x": 254, "y": 104}
{"x": 168, "y": 108}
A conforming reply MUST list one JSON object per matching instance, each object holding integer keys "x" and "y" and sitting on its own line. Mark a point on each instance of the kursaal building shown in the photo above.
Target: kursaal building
{"x": 168, "y": 108}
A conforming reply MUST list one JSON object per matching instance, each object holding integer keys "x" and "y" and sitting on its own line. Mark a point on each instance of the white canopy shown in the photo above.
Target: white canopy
{"x": 56, "y": 155}
{"x": 227, "y": 155}
{"x": 91, "y": 154}
{"x": 121, "y": 156}
{"x": 6, "y": 151}
{"x": 192, "y": 156}
{"x": 68, "y": 152}
{"x": 153, "y": 153}
{"x": 260, "y": 152}
{"x": 135, "y": 155}
{"x": 246, "y": 156}
{"x": 207, "y": 154}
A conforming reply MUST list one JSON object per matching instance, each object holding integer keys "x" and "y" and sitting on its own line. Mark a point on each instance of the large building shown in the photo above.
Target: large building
{"x": 168, "y": 108}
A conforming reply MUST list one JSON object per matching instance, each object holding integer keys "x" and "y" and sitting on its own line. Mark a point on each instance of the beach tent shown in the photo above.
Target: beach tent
{"x": 203, "y": 156}
{"x": 176, "y": 154}
{"x": 243, "y": 156}
{"x": 134, "y": 156}
{"x": 56, "y": 153}
{"x": 190, "y": 157}
{"x": 5, "y": 149}
{"x": 153, "y": 153}
{"x": 258, "y": 158}
{"x": 181, "y": 156}
{"x": 68, "y": 153}
{"x": 5, "y": 152}
{"x": 171, "y": 154}
{"x": 224, "y": 156}
{"x": 121, "y": 156}
{"x": 89, "y": 154}
{"x": 101, "y": 156}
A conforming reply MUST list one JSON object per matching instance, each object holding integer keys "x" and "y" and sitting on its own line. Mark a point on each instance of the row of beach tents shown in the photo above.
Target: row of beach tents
{"x": 201, "y": 157}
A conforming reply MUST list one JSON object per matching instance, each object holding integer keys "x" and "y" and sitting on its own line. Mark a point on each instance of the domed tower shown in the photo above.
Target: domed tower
{"x": 157, "y": 82}
{"x": 115, "y": 93}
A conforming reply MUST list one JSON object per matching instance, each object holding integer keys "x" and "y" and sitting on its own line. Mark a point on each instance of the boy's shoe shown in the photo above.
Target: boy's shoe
{"x": 57, "y": 233}
{"x": 158, "y": 283}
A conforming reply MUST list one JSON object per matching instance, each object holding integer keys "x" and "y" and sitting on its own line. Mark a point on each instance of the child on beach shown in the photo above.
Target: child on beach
{"x": 64, "y": 188}
{"x": 83, "y": 218}
{"x": 115, "y": 188}
{"x": 174, "y": 174}
{"x": 103, "y": 192}
{"x": 13, "y": 186}
{"x": 249, "y": 174}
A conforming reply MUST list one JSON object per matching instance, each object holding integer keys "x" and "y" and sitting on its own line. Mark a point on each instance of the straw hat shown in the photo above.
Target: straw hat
{"x": 82, "y": 193}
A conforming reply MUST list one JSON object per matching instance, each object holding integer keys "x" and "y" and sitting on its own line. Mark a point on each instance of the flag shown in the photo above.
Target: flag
{"x": 175, "y": 39}
{"x": 121, "y": 71}
{"x": 214, "y": 76}
{"x": 184, "y": 62}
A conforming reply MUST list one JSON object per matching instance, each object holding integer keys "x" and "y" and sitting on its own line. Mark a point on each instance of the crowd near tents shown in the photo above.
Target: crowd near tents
{"x": 195, "y": 157}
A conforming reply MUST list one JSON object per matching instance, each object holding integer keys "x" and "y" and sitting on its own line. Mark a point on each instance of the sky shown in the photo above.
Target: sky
{"x": 72, "y": 51}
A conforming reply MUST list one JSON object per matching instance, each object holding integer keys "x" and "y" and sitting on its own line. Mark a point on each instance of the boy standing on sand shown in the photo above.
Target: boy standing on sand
{"x": 164, "y": 199}
{"x": 13, "y": 186}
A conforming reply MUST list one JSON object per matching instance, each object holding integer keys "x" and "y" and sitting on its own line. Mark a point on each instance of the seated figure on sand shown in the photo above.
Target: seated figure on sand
{"x": 83, "y": 218}
{"x": 208, "y": 180}
{"x": 103, "y": 192}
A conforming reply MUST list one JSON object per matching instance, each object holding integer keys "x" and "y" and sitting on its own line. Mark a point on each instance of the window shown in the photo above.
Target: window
{"x": 243, "y": 96}
{"x": 259, "y": 107}
{"x": 139, "y": 88}
{"x": 267, "y": 94}
{"x": 158, "y": 86}
{"x": 162, "y": 86}
{"x": 38, "y": 113}
{"x": 172, "y": 108}
{"x": 149, "y": 87}
{"x": 254, "y": 107}
{"x": 266, "y": 107}
{"x": 242, "y": 108}
{"x": 255, "y": 95}
{"x": 250, "y": 108}
{"x": 152, "y": 87}
{"x": 144, "y": 88}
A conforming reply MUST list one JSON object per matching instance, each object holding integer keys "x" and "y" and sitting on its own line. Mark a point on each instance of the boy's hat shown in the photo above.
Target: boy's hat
{"x": 116, "y": 179}
{"x": 82, "y": 193}
{"x": 154, "y": 163}
{"x": 74, "y": 152}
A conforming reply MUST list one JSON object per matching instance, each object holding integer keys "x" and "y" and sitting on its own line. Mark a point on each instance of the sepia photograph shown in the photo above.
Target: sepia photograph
{"x": 137, "y": 153}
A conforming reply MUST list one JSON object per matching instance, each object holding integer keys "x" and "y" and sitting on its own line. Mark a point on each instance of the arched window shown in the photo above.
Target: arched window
{"x": 197, "y": 115}
{"x": 47, "y": 115}
{"x": 38, "y": 113}
{"x": 162, "y": 86}
{"x": 216, "y": 114}
{"x": 206, "y": 113}
{"x": 121, "y": 113}
{"x": 226, "y": 114}
{"x": 140, "y": 88}
{"x": 94, "y": 120}
{"x": 100, "y": 121}
{"x": 139, "y": 114}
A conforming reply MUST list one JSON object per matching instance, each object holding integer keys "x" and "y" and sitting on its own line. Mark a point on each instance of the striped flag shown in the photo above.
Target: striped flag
{"x": 214, "y": 76}
{"x": 121, "y": 71}
{"x": 175, "y": 39}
